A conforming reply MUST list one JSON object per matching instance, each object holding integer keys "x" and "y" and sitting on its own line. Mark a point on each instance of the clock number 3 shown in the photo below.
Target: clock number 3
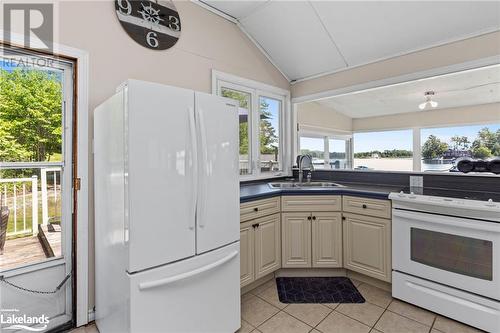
{"x": 125, "y": 7}
{"x": 152, "y": 39}
{"x": 173, "y": 23}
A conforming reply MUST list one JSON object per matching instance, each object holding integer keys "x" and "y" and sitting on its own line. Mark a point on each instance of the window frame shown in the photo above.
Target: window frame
{"x": 327, "y": 135}
{"x": 256, "y": 90}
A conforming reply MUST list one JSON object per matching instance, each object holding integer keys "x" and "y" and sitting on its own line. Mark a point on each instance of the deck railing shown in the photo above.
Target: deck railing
{"x": 10, "y": 186}
{"x": 21, "y": 196}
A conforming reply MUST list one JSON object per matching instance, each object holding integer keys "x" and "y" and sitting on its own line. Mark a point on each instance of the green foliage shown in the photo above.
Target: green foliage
{"x": 268, "y": 137}
{"x": 487, "y": 143}
{"x": 394, "y": 153}
{"x": 460, "y": 142}
{"x": 433, "y": 147}
{"x": 30, "y": 115}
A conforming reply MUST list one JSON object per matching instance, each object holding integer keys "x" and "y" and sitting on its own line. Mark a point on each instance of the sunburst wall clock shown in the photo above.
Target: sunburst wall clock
{"x": 153, "y": 24}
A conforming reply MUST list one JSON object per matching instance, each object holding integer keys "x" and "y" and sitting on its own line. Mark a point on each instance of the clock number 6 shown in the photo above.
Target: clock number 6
{"x": 152, "y": 39}
{"x": 125, "y": 7}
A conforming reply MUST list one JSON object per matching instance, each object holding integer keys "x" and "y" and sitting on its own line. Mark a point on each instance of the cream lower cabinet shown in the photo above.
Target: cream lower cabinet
{"x": 326, "y": 240}
{"x": 311, "y": 239}
{"x": 367, "y": 245}
{"x": 296, "y": 240}
{"x": 260, "y": 248}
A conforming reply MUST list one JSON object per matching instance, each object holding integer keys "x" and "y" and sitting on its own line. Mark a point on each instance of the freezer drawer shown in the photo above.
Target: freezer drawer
{"x": 200, "y": 294}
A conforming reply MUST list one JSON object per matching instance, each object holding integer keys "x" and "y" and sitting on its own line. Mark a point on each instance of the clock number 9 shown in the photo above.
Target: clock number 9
{"x": 173, "y": 23}
{"x": 152, "y": 39}
{"x": 125, "y": 7}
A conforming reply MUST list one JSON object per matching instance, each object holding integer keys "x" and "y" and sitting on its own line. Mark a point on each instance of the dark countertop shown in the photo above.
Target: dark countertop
{"x": 260, "y": 191}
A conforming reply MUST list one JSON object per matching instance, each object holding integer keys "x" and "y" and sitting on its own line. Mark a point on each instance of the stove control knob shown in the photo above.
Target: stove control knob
{"x": 412, "y": 195}
{"x": 491, "y": 203}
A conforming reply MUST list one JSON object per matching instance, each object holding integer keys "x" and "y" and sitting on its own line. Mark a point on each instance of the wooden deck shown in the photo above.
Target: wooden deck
{"x": 32, "y": 249}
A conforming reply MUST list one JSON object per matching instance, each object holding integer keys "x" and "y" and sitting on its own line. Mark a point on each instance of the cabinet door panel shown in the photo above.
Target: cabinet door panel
{"x": 327, "y": 240}
{"x": 267, "y": 245}
{"x": 296, "y": 240}
{"x": 246, "y": 254}
{"x": 367, "y": 245}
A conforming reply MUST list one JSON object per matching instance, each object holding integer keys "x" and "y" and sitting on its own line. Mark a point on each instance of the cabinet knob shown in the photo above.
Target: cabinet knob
{"x": 314, "y": 217}
{"x": 256, "y": 209}
{"x": 309, "y": 218}
{"x": 343, "y": 217}
{"x": 365, "y": 206}
{"x": 255, "y": 225}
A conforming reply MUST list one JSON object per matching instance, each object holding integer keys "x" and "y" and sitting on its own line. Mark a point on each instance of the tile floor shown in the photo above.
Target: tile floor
{"x": 262, "y": 312}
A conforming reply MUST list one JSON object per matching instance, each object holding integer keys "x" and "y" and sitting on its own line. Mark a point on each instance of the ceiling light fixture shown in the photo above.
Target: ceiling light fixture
{"x": 429, "y": 103}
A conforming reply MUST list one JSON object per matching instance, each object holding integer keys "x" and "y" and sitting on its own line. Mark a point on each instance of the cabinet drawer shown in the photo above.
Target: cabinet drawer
{"x": 310, "y": 203}
{"x": 365, "y": 206}
{"x": 258, "y": 208}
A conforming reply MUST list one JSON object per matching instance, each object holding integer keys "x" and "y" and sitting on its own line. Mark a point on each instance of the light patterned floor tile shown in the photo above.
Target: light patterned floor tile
{"x": 311, "y": 314}
{"x": 412, "y": 312}
{"x": 394, "y": 323}
{"x": 447, "y": 325}
{"x": 271, "y": 295}
{"x": 332, "y": 306}
{"x": 284, "y": 323}
{"x": 366, "y": 313}
{"x": 355, "y": 282}
{"x": 375, "y": 295}
{"x": 338, "y": 323}
{"x": 263, "y": 287}
{"x": 256, "y": 311}
{"x": 245, "y": 327}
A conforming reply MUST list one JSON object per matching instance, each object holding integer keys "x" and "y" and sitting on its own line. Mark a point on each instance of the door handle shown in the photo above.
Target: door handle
{"x": 187, "y": 275}
{"x": 194, "y": 145}
{"x": 314, "y": 218}
{"x": 204, "y": 167}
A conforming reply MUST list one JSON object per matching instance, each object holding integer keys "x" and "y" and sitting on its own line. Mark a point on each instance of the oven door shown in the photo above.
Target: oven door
{"x": 461, "y": 253}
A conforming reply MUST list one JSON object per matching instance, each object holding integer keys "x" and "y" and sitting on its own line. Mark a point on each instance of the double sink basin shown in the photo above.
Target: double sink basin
{"x": 289, "y": 185}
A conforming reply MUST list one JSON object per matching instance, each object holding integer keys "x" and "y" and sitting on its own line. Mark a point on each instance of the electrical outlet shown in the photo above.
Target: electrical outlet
{"x": 416, "y": 181}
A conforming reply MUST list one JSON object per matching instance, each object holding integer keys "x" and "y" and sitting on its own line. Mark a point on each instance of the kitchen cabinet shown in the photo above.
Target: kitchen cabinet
{"x": 365, "y": 206}
{"x": 367, "y": 245}
{"x": 258, "y": 208}
{"x": 296, "y": 240}
{"x": 260, "y": 248}
{"x": 326, "y": 239}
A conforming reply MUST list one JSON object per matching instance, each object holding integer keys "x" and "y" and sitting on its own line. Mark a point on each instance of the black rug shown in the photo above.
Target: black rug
{"x": 317, "y": 290}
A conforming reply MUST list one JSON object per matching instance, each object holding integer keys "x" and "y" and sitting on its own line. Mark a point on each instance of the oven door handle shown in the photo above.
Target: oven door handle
{"x": 446, "y": 220}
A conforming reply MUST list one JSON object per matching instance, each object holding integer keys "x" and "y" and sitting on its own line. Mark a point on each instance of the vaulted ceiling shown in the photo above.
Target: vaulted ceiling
{"x": 309, "y": 38}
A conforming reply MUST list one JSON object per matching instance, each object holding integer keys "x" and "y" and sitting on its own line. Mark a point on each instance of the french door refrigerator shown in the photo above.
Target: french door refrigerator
{"x": 166, "y": 211}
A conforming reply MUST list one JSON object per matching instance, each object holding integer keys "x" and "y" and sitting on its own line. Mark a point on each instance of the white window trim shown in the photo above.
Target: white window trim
{"x": 257, "y": 89}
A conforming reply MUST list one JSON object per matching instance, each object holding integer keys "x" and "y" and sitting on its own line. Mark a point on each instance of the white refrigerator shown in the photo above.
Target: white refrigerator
{"x": 166, "y": 211}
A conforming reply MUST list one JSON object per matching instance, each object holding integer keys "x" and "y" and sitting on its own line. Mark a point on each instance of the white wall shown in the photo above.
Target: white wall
{"x": 468, "y": 115}
{"x": 313, "y": 114}
{"x": 207, "y": 42}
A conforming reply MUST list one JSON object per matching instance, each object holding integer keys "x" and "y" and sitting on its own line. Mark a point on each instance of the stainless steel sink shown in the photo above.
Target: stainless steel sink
{"x": 304, "y": 185}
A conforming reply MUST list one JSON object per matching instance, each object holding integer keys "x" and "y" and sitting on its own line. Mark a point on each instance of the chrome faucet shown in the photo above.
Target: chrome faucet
{"x": 301, "y": 162}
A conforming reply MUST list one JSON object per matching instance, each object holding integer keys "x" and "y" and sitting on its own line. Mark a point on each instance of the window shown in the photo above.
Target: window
{"x": 441, "y": 147}
{"x": 388, "y": 150}
{"x": 262, "y": 118}
{"x": 328, "y": 151}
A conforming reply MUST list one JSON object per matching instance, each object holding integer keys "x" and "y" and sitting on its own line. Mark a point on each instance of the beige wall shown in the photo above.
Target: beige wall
{"x": 316, "y": 115}
{"x": 479, "y": 114}
{"x": 454, "y": 53}
{"x": 207, "y": 42}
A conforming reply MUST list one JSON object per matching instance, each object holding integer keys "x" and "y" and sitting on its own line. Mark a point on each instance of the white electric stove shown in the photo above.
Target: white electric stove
{"x": 446, "y": 256}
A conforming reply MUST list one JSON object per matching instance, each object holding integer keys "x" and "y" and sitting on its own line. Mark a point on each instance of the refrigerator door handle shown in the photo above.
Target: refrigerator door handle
{"x": 194, "y": 145}
{"x": 204, "y": 165}
{"x": 187, "y": 275}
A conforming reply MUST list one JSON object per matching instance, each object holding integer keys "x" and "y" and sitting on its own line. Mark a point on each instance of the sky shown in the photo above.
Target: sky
{"x": 399, "y": 139}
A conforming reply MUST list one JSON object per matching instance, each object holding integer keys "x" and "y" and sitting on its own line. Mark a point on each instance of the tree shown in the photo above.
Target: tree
{"x": 487, "y": 141}
{"x": 268, "y": 137}
{"x": 434, "y": 147}
{"x": 481, "y": 152}
{"x": 30, "y": 115}
{"x": 460, "y": 142}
